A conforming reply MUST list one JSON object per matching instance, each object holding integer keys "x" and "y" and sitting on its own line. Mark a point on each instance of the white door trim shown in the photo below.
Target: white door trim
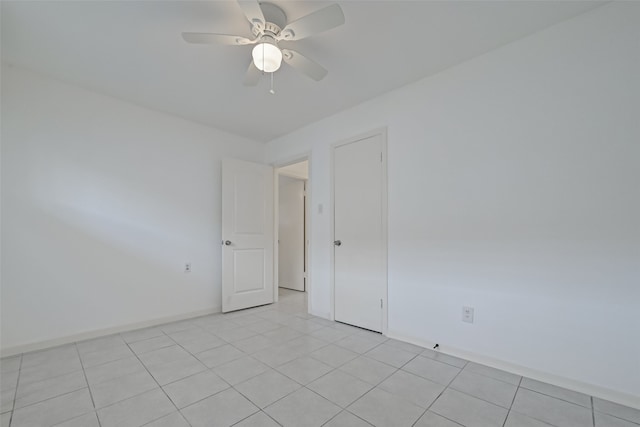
{"x": 297, "y": 158}
{"x": 383, "y": 133}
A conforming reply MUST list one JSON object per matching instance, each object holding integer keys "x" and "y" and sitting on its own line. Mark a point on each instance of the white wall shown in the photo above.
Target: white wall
{"x": 513, "y": 188}
{"x": 102, "y": 204}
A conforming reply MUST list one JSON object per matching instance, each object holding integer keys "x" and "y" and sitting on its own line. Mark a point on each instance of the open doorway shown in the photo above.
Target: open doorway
{"x": 292, "y": 227}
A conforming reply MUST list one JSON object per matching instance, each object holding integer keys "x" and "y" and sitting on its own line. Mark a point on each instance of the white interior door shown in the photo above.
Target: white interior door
{"x": 291, "y": 233}
{"x": 360, "y": 276}
{"x": 247, "y": 235}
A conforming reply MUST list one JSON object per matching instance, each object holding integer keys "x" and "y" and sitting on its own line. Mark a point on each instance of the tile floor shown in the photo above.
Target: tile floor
{"x": 277, "y": 365}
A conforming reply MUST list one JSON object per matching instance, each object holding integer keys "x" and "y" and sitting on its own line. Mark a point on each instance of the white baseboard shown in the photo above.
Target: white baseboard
{"x": 557, "y": 380}
{"x": 97, "y": 333}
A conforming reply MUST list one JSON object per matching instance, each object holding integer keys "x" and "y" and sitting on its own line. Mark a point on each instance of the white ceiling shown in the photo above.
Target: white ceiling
{"x": 133, "y": 50}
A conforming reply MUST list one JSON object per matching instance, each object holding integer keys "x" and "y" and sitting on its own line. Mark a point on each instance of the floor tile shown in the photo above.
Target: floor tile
{"x": 340, "y": 388}
{"x": 9, "y": 381}
{"x": 266, "y": 388}
{"x": 9, "y": 364}
{"x": 151, "y": 344}
{"x": 100, "y": 344}
{"x": 619, "y": 411}
{"x": 50, "y": 370}
{"x": 198, "y": 346}
{"x": 253, "y": 344}
{"x": 305, "y": 344}
{"x": 368, "y": 370}
{"x": 248, "y": 319}
{"x": 304, "y": 369}
{"x": 164, "y": 355}
{"x": 183, "y": 325}
{"x": 333, "y": 355}
{"x": 172, "y": 420}
{"x": 86, "y": 420}
{"x": 54, "y": 355}
{"x": 136, "y": 411}
{"x": 604, "y": 420}
{"x": 282, "y": 335}
{"x": 412, "y": 388}
{"x": 468, "y": 411}
{"x": 190, "y": 335}
{"x": 347, "y": 419}
{"x": 31, "y": 393}
{"x": 357, "y": 343}
{"x": 173, "y": 371}
{"x": 264, "y": 326}
{"x": 304, "y": 325}
{"x": 277, "y": 355}
{"x": 431, "y": 419}
{"x": 48, "y": 356}
{"x": 376, "y": 336}
{"x": 54, "y": 411}
{"x": 7, "y": 399}
{"x": 302, "y": 408}
{"x": 485, "y": 388}
{"x": 121, "y": 388}
{"x": 321, "y": 321}
{"x": 106, "y": 355}
{"x": 141, "y": 334}
{"x": 112, "y": 370}
{"x": 433, "y": 370}
{"x": 344, "y": 327}
{"x": 390, "y": 355}
{"x": 221, "y": 325}
{"x": 223, "y": 409}
{"x": 220, "y": 355}
{"x": 494, "y": 373}
{"x": 240, "y": 370}
{"x": 259, "y": 419}
{"x": 194, "y": 388}
{"x": 236, "y": 334}
{"x": 5, "y": 419}
{"x": 381, "y": 409}
{"x": 551, "y": 410}
{"x": 329, "y": 334}
{"x": 444, "y": 358}
{"x": 514, "y": 419}
{"x": 411, "y": 348}
{"x": 557, "y": 392}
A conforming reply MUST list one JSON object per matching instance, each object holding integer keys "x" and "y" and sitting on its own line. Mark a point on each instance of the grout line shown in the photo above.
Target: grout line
{"x": 154, "y": 379}
{"x": 15, "y": 392}
{"x": 440, "y": 394}
{"x": 86, "y": 380}
{"x": 512, "y": 400}
{"x": 593, "y": 414}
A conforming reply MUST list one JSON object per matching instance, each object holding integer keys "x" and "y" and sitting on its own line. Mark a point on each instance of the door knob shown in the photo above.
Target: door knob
{"x": 337, "y": 242}
{"x": 227, "y": 242}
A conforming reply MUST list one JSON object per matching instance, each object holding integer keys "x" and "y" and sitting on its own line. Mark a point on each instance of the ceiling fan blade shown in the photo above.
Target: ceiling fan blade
{"x": 253, "y": 75}
{"x": 313, "y": 23}
{"x": 253, "y": 12}
{"x": 211, "y": 38}
{"x": 304, "y": 64}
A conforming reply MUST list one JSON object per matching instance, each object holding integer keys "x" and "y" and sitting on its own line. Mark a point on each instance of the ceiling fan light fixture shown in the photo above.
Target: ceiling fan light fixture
{"x": 267, "y": 57}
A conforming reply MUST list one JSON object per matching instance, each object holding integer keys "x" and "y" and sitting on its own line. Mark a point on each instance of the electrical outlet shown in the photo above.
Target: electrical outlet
{"x": 467, "y": 314}
{"x": 187, "y": 267}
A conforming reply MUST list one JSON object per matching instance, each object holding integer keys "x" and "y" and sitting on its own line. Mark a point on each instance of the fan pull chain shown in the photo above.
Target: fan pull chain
{"x": 271, "y": 91}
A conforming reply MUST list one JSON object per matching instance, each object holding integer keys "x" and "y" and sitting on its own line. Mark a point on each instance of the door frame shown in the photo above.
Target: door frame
{"x": 276, "y": 222}
{"x": 382, "y": 131}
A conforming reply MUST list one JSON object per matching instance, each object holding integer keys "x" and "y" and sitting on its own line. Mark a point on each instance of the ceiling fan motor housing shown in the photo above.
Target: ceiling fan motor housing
{"x": 275, "y": 19}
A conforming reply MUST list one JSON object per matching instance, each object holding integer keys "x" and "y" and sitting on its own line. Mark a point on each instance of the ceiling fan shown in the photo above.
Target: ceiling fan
{"x": 269, "y": 26}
